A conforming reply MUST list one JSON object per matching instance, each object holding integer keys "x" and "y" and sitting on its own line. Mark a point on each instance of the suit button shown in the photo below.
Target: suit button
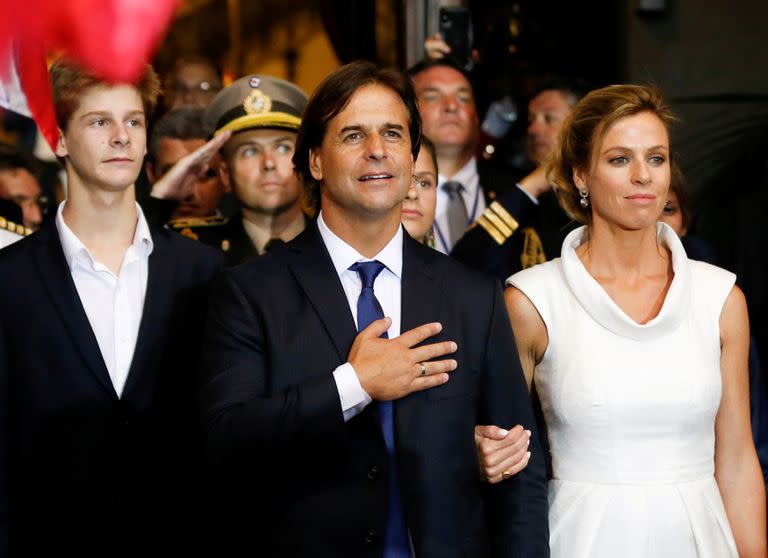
{"x": 371, "y": 536}
{"x": 373, "y": 472}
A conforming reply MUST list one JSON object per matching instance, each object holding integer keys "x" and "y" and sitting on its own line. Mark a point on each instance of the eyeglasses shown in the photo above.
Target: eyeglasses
{"x": 201, "y": 88}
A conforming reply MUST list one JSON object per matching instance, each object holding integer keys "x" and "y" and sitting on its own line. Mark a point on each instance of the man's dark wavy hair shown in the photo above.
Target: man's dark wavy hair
{"x": 331, "y": 97}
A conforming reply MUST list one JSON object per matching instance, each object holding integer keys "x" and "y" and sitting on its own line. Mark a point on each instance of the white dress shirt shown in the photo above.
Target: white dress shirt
{"x": 386, "y": 287}
{"x": 473, "y": 200}
{"x": 113, "y": 303}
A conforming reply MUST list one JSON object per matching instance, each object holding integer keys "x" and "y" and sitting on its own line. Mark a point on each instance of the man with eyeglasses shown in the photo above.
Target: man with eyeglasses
{"x": 194, "y": 81}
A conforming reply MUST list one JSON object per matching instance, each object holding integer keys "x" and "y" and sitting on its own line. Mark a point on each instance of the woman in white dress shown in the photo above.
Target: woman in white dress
{"x": 639, "y": 356}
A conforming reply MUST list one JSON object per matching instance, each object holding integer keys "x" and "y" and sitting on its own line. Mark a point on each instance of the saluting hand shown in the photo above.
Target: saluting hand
{"x": 179, "y": 182}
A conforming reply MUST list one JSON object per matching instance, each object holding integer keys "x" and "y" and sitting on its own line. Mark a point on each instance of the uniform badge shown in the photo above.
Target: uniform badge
{"x": 225, "y": 245}
{"x": 189, "y": 233}
{"x": 257, "y": 102}
{"x": 254, "y": 82}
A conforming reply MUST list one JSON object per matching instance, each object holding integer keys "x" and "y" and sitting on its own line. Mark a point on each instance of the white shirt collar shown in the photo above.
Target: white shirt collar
{"x": 75, "y": 250}
{"x": 467, "y": 176}
{"x": 343, "y": 255}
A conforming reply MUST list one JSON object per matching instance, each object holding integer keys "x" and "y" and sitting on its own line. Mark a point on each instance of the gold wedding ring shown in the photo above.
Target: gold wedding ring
{"x": 422, "y": 368}
{"x": 505, "y": 475}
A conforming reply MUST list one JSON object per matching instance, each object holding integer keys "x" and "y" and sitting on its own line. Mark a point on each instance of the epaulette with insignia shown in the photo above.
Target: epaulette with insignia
{"x": 10, "y": 232}
{"x": 533, "y": 249}
{"x": 210, "y": 221}
{"x": 10, "y": 226}
{"x": 188, "y": 225}
{"x": 498, "y": 223}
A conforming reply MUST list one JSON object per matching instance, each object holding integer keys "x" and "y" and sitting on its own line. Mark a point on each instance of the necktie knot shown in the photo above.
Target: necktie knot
{"x": 368, "y": 271}
{"x": 452, "y": 188}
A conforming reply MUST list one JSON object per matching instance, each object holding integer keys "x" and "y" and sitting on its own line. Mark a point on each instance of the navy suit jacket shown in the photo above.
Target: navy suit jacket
{"x": 83, "y": 472}
{"x": 299, "y": 481}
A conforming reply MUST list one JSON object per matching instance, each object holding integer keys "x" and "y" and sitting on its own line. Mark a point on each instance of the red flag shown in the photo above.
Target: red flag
{"x": 113, "y": 38}
{"x": 26, "y": 89}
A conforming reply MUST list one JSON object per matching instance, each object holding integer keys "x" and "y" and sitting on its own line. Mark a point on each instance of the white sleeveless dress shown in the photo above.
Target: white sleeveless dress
{"x": 630, "y": 411}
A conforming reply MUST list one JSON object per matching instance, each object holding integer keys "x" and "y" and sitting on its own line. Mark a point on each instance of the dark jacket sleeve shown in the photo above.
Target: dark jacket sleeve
{"x": 517, "y": 508}
{"x": 245, "y": 419}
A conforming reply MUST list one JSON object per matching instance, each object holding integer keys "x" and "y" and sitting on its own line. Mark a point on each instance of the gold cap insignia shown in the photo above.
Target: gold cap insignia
{"x": 257, "y": 102}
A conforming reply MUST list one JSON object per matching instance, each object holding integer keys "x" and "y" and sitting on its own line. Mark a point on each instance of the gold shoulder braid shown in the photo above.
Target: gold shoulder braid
{"x": 210, "y": 221}
{"x": 498, "y": 223}
{"x": 533, "y": 250}
{"x": 189, "y": 233}
{"x": 10, "y": 226}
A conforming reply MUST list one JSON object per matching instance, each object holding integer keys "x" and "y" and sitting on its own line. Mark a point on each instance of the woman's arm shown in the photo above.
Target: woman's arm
{"x": 503, "y": 453}
{"x": 529, "y": 329}
{"x": 736, "y": 466}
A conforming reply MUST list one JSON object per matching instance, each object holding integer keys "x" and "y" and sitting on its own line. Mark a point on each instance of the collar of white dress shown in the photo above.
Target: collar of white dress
{"x": 596, "y": 302}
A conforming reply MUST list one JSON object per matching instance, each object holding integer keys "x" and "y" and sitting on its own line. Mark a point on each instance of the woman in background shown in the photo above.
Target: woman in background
{"x": 419, "y": 205}
{"x": 678, "y": 215}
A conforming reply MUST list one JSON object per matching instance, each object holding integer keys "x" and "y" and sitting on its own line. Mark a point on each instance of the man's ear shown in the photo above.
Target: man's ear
{"x": 223, "y": 170}
{"x": 61, "y": 145}
{"x": 315, "y": 165}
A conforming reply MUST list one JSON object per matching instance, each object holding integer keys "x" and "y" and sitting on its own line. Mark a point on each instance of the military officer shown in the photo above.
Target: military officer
{"x": 259, "y": 116}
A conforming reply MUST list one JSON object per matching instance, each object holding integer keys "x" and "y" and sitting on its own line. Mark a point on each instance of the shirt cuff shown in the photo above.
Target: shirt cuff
{"x": 351, "y": 394}
{"x": 530, "y": 197}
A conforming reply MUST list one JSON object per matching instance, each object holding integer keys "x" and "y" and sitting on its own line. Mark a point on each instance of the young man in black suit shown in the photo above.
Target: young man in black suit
{"x": 98, "y": 328}
{"x": 328, "y": 431}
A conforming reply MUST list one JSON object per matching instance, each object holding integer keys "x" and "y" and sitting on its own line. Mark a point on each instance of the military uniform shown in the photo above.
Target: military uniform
{"x": 11, "y": 228}
{"x": 513, "y": 233}
{"x": 228, "y": 235}
{"x": 249, "y": 103}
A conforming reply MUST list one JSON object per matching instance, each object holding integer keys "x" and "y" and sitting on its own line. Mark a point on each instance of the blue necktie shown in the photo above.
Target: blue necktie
{"x": 368, "y": 310}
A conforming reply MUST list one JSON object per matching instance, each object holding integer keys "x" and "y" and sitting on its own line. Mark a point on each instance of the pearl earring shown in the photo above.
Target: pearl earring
{"x": 584, "y": 201}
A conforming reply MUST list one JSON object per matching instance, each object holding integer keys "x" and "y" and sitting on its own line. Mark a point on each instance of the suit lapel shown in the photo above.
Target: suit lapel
{"x": 312, "y": 266}
{"x": 421, "y": 292}
{"x": 57, "y": 278}
{"x": 158, "y": 301}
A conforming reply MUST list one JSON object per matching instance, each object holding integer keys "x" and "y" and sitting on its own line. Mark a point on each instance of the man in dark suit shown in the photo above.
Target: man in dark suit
{"x": 330, "y": 433}
{"x": 98, "y": 325}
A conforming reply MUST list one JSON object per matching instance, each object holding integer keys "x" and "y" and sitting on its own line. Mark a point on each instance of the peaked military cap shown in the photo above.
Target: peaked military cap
{"x": 256, "y": 101}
